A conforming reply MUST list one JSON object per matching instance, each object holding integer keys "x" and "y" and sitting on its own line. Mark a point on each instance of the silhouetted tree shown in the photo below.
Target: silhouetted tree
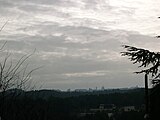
{"x": 148, "y": 60}
{"x": 14, "y": 76}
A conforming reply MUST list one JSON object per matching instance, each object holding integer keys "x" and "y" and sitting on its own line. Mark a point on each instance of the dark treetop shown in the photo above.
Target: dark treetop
{"x": 148, "y": 60}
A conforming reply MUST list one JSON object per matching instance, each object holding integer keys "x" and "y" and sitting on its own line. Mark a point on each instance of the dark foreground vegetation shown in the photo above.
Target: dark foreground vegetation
{"x": 155, "y": 103}
{"x": 57, "y": 105}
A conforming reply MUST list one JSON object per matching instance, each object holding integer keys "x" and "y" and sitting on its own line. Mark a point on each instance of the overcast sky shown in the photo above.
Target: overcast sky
{"x": 78, "y": 42}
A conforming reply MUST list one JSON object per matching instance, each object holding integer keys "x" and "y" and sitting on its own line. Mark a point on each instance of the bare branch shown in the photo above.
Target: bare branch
{"x": 15, "y": 76}
{"x": 3, "y": 25}
{"x": 1, "y": 48}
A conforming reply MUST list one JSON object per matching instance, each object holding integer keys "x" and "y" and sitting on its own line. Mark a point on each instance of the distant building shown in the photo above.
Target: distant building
{"x": 102, "y": 88}
{"x": 109, "y": 109}
{"x": 86, "y": 113}
{"x": 90, "y": 90}
{"x": 81, "y": 90}
{"x": 68, "y": 90}
{"x": 110, "y": 115}
{"x": 128, "y": 108}
{"x": 103, "y": 107}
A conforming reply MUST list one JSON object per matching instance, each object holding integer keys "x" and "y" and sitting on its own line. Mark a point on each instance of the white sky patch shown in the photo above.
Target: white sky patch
{"x": 144, "y": 15}
{"x": 87, "y": 54}
{"x": 49, "y": 55}
{"x": 57, "y": 34}
{"x": 87, "y": 74}
{"x": 134, "y": 15}
{"x": 126, "y": 15}
{"x": 109, "y": 56}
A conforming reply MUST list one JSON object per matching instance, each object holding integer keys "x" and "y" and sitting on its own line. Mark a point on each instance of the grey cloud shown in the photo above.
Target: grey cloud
{"x": 99, "y": 49}
{"x": 55, "y": 67}
{"x": 93, "y": 82}
{"x": 36, "y": 5}
{"x": 94, "y": 4}
{"x": 6, "y": 3}
{"x": 73, "y": 49}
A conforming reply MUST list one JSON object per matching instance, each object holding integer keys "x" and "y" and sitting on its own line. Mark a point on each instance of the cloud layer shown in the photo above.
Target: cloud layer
{"x": 79, "y": 42}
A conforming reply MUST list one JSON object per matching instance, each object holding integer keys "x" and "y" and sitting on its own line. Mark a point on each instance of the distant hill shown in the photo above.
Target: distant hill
{"x": 60, "y": 105}
{"x": 45, "y": 94}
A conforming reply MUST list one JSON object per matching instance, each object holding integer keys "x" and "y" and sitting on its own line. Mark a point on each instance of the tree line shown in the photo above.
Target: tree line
{"x": 30, "y": 106}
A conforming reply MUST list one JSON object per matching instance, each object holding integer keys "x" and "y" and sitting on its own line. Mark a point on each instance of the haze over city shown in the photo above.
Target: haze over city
{"x": 78, "y": 43}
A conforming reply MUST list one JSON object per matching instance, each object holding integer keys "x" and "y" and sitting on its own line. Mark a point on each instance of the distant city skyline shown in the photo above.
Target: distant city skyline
{"x": 78, "y": 43}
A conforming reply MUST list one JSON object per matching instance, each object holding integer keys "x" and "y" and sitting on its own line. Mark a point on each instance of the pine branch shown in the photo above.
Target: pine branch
{"x": 146, "y": 59}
